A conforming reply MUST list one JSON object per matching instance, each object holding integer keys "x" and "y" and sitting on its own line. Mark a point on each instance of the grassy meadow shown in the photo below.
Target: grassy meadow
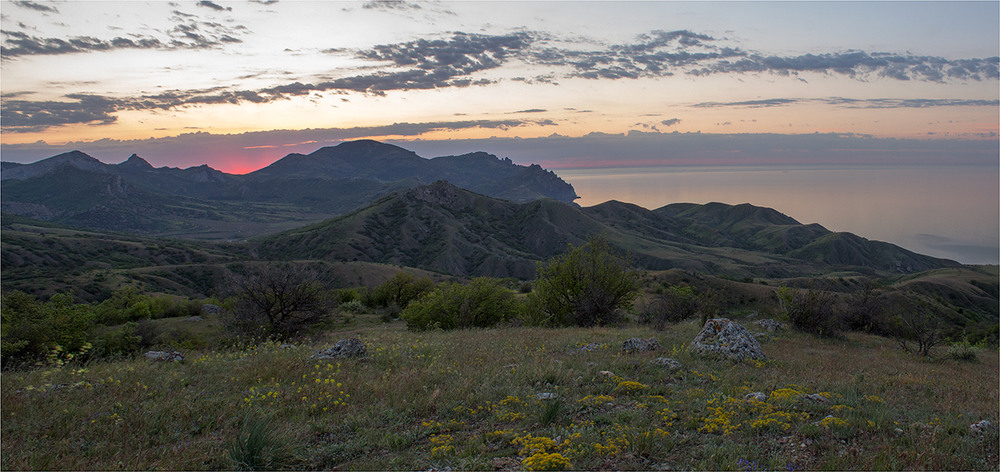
{"x": 507, "y": 399}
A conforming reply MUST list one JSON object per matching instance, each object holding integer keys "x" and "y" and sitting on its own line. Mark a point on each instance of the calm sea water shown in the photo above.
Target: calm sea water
{"x": 944, "y": 211}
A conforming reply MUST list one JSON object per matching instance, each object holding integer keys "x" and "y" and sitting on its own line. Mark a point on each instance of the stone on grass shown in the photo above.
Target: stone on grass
{"x": 725, "y": 338}
{"x": 758, "y": 396}
{"x": 210, "y": 309}
{"x": 546, "y": 396}
{"x": 668, "y": 363}
{"x": 982, "y": 427}
{"x": 164, "y": 356}
{"x": 639, "y": 345}
{"x": 195, "y": 319}
{"x": 817, "y": 398}
{"x": 348, "y": 347}
{"x": 770, "y": 325}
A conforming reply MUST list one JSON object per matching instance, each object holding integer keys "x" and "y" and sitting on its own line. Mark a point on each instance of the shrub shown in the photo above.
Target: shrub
{"x": 256, "y": 447}
{"x": 585, "y": 286}
{"x": 34, "y": 332}
{"x": 398, "y": 291}
{"x": 810, "y": 311}
{"x": 963, "y": 352}
{"x": 481, "y": 303}
{"x": 118, "y": 342}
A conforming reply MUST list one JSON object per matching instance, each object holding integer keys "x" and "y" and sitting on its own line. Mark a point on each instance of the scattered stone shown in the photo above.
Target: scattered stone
{"x": 195, "y": 319}
{"x": 639, "y": 345}
{"x": 770, "y": 325}
{"x": 817, "y": 398}
{"x": 210, "y": 309}
{"x": 728, "y": 339}
{"x": 348, "y": 347}
{"x": 164, "y": 356}
{"x": 982, "y": 427}
{"x": 756, "y": 396}
{"x": 606, "y": 373}
{"x": 546, "y": 396}
{"x": 668, "y": 363}
{"x": 588, "y": 347}
{"x": 898, "y": 431}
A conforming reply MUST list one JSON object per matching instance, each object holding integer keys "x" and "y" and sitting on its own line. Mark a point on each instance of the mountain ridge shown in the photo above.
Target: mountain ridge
{"x": 295, "y": 190}
{"x": 448, "y": 229}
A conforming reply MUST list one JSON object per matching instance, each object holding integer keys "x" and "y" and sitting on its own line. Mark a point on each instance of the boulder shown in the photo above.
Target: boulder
{"x": 639, "y": 345}
{"x": 164, "y": 356}
{"x": 668, "y": 363}
{"x": 348, "y": 347}
{"x": 726, "y": 338}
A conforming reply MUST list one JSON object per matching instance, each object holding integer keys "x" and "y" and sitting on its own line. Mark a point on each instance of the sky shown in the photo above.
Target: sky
{"x": 569, "y": 85}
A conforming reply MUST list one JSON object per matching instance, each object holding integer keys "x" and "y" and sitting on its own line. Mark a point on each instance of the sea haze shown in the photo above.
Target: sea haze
{"x": 944, "y": 211}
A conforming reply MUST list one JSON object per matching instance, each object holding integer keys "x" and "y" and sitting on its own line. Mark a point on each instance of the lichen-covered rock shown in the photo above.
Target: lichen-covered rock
{"x": 348, "y": 347}
{"x": 817, "y": 398}
{"x": 668, "y": 363}
{"x": 639, "y": 345}
{"x": 726, "y": 338}
{"x": 164, "y": 356}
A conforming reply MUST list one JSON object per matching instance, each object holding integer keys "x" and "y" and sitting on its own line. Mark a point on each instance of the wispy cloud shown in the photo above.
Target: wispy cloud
{"x": 459, "y": 60}
{"x": 48, "y": 8}
{"x": 855, "y": 102}
{"x": 188, "y": 32}
{"x": 213, "y": 6}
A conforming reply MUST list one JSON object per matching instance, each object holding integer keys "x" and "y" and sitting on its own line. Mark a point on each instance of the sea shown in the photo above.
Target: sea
{"x": 952, "y": 212}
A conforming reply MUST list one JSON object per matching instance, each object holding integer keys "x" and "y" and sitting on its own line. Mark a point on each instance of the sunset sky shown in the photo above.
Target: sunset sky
{"x": 238, "y": 85}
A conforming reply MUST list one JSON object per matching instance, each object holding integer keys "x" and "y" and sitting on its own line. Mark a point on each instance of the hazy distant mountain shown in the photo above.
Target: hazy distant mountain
{"x": 444, "y": 228}
{"x": 135, "y": 197}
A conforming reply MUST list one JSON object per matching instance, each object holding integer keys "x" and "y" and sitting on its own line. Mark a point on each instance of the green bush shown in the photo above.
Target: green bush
{"x": 482, "y": 302}
{"x": 118, "y": 342}
{"x": 964, "y": 352}
{"x": 36, "y": 332}
{"x": 398, "y": 291}
{"x": 584, "y": 287}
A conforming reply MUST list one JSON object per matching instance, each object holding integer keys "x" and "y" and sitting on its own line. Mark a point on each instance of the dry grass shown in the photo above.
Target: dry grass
{"x": 469, "y": 400}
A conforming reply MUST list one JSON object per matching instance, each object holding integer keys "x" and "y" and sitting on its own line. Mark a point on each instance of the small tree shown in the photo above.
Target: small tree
{"x": 916, "y": 323}
{"x": 811, "y": 310}
{"x": 274, "y": 300}
{"x": 397, "y": 292}
{"x": 585, "y": 286}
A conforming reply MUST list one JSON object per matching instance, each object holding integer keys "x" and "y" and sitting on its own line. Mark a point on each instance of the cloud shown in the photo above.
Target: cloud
{"x": 771, "y": 102}
{"x": 856, "y": 102}
{"x": 264, "y": 2}
{"x": 36, "y": 6}
{"x": 213, "y": 5}
{"x": 861, "y": 65}
{"x": 670, "y": 122}
{"x": 188, "y": 32}
{"x": 390, "y": 5}
{"x": 909, "y": 102}
{"x": 31, "y": 116}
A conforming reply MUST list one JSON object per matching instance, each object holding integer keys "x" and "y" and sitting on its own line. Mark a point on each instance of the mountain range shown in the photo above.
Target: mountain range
{"x": 200, "y": 202}
{"x": 447, "y": 229}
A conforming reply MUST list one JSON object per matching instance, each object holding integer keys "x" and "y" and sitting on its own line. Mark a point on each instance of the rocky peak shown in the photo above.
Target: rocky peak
{"x": 135, "y": 162}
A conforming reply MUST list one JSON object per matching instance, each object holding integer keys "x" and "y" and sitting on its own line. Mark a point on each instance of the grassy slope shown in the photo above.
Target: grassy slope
{"x": 458, "y": 399}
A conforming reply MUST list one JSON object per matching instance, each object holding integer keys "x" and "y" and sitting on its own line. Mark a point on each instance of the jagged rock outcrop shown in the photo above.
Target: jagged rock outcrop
{"x": 726, "y": 338}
